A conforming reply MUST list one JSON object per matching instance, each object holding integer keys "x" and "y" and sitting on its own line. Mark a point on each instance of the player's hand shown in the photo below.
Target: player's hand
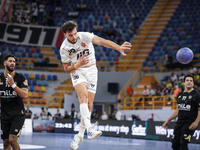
{"x": 82, "y": 61}
{"x": 10, "y": 80}
{"x": 165, "y": 124}
{"x": 125, "y": 45}
{"x": 193, "y": 126}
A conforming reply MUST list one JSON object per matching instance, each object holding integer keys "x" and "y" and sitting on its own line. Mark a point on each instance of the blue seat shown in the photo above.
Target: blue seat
{"x": 40, "y": 55}
{"x": 46, "y": 83}
{"x": 29, "y": 82}
{"x": 31, "y": 88}
{"x": 55, "y": 77}
{"x": 40, "y": 83}
{"x": 26, "y": 75}
{"x": 49, "y": 77}
{"x": 37, "y": 76}
{"x": 34, "y": 82}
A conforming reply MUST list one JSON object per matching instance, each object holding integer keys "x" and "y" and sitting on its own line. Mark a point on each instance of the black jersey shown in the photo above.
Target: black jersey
{"x": 188, "y": 106}
{"x": 12, "y": 104}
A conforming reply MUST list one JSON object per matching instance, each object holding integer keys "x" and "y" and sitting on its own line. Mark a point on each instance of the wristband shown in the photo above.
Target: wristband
{"x": 14, "y": 85}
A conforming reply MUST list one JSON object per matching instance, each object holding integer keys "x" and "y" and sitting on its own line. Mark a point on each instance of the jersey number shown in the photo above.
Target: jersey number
{"x": 86, "y": 51}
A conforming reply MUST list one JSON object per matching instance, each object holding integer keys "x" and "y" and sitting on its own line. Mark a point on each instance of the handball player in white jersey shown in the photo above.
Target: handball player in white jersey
{"x": 78, "y": 59}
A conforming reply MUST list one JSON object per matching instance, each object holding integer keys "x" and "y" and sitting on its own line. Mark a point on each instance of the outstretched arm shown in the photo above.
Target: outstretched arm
{"x": 173, "y": 116}
{"x": 107, "y": 43}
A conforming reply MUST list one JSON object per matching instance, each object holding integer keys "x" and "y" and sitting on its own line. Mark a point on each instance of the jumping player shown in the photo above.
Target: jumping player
{"x": 78, "y": 59}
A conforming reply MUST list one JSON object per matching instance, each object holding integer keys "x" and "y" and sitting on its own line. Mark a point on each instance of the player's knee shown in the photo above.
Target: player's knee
{"x": 12, "y": 139}
{"x": 184, "y": 144}
{"x": 83, "y": 98}
{"x": 6, "y": 143}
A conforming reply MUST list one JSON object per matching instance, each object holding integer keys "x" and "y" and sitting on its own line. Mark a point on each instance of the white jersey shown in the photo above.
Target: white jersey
{"x": 70, "y": 53}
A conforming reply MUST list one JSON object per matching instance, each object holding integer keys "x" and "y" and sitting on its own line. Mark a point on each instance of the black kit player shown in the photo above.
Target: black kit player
{"x": 13, "y": 89}
{"x": 188, "y": 108}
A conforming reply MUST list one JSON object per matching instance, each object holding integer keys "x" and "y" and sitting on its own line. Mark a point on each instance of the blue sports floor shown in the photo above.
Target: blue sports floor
{"x": 59, "y": 141}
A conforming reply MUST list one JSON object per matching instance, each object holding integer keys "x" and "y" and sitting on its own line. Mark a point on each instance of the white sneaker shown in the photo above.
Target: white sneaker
{"x": 76, "y": 142}
{"x": 92, "y": 133}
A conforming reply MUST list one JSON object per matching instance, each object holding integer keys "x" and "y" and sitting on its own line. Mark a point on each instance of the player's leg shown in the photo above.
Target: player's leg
{"x": 90, "y": 104}
{"x": 81, "y": 90}
{"x": 15, "y": 131}
{"x": 5, "y": 127}
{"x": 6, "y": 144}
{"x": 13, "y": 142}
{"x": 186, "y": 136}
{"x": 176, "y": 137}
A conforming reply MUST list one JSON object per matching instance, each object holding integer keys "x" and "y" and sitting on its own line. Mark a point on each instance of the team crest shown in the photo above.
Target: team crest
{"x": 190, "y": 96}
{"x": 25, "y": 83}
{"x": 83, "y": 44}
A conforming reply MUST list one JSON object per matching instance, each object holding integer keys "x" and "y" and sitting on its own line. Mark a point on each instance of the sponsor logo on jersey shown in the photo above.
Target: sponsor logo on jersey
{"x": 75, "y": 77}
{"x": 16, "y": 130}
{"x": 92, "y": 85}
{"x": 71, "y": 51}
{"x": 190, "y": 97}
{"x": 184, "y": 107}
{"x": 83, "y": 44}
{"x": 179, "y": 96}
{"x": 1, "y": 83}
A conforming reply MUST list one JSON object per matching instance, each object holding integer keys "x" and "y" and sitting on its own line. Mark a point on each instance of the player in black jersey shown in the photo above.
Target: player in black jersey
{"x": 188, "y": 108}
{"x": 13, "y": 89}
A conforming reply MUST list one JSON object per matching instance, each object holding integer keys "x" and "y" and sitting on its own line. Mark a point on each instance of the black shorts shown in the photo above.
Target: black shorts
{"x": 13, "y": 126}
{"x": 182, "y": 131}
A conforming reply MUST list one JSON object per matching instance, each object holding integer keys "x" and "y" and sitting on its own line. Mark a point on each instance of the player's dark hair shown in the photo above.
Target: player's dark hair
{"x": 189, "y": 75}
{"x": 69, "y": 26}
{"x": 7, "y": 56}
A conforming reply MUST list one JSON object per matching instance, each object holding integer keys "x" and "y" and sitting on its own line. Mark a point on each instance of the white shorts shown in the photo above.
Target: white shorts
{"x": 87, "y": 76}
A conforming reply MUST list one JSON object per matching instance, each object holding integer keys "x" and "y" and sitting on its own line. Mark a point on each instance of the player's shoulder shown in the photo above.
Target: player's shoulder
{"x": 84, "y": 34}
{"x": 64, "y": 44}
{"x": 196, "y": 92}
{"x": 19, "y": 75}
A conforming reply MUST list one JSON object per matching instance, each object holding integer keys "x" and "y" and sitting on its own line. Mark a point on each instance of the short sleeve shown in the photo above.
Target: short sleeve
{"x": 65, "y": 56}
{"x": 23, "y": 83}
{"x": 87, "y": 37}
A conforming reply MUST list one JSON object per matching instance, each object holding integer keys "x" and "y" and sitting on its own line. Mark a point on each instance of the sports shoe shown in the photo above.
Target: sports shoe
{"x": 76, "y": 142}
{"x": 92, "y": 133}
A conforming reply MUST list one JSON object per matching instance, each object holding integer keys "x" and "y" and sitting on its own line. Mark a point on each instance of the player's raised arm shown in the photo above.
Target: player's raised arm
{"x": 107, "y": 43}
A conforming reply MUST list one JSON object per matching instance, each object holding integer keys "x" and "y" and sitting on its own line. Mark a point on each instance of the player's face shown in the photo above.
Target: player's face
{"x": 189, "y": 82}
{"x": 10, "y": 64}
{"x": 71, "y": 36}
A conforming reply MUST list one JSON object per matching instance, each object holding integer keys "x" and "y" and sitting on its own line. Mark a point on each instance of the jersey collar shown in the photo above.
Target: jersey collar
{"x": 189, "y": 91}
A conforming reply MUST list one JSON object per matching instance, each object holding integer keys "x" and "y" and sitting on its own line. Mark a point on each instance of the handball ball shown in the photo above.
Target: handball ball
{"x": 184, "y": 55}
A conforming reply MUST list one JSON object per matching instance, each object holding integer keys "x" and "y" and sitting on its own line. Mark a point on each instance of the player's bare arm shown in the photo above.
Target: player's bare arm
{"x": 173, "y": 116}
{"x": 71, "y": 68}
{"x": 194, "y": 125}
{"x": 107, "y": 43}
{"x": 23, "y": 93}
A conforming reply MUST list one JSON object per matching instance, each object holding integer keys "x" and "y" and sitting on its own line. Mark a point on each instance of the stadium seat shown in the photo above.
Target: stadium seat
{"x": 55, "y": 77}
{"x": 40, "y": 83}
{"x": 31, "y": 100}
{"x": 34, "y": 94}
{"x": 43, "y": 88}
{"x": 31, "y": 76}
{"x": 42, "y": 76}
{"x": 37, "y": 76}
{"x": 31, "y": 88}
{"x": 46, "y": 83}
{"x": 49, "y": 77}
{"x": 34, "y": 82}
{"x": 29, "y": 94}
{"x": 26, "y": 75}
{"x": 37, "y": 88}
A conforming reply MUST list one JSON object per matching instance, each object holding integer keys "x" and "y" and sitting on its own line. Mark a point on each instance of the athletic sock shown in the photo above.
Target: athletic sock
{"x": 85, "y": 114}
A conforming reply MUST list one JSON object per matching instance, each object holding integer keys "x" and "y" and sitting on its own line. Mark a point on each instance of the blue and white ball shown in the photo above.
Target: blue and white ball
{"x": 184, "y": 55}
